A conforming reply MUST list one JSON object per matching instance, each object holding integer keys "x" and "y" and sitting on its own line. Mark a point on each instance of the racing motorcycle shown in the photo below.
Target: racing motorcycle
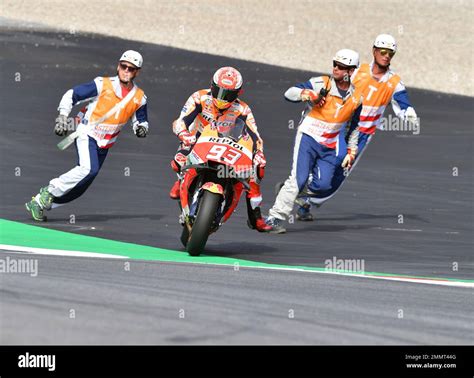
{"x": 216, "y": 172}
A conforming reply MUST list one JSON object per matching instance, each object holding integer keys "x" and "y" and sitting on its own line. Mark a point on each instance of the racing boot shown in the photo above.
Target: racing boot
{"x": 255, "y": 220}
{"x": 261, "y": 226}
{"x": 275, "y": 224}
{"x": 174, "y": 192}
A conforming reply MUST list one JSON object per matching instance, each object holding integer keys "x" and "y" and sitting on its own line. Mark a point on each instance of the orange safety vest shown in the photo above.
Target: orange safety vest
{"x": 106, "y": 132}
{"x": 325, "y": 123}
{"x": 377, "y": 95}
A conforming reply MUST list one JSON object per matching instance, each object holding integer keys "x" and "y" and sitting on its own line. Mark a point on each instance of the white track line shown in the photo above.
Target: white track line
{"x": 57, "y": 252}
{"x": 398, "y": 229}
{"x": 361, "y": 275}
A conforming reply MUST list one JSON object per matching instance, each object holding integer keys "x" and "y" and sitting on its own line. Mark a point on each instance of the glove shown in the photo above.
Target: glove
{"x": 349, "y": 158}
{"x": 60, "y": 128}
{"x": 310, "y": 95}
{"x": 259, "y": 159}
{"x": 410, "y": 116}
{"x": 141, "y": 131}
{"x": 187, "y": 138}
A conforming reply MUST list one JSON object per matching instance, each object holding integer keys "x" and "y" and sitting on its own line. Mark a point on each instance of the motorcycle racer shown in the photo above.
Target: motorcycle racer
{"x": 203, "y": 108}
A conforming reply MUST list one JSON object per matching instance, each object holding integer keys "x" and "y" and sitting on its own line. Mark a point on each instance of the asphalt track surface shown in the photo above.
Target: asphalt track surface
{"x": 399, "y": 174}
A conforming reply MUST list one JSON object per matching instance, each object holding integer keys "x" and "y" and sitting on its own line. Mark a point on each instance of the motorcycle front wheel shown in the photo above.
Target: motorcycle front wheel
{"x": 203, "y": 223}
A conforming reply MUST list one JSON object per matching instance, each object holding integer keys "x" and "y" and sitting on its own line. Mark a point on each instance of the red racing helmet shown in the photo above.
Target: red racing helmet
{"x": 226, "y": 85}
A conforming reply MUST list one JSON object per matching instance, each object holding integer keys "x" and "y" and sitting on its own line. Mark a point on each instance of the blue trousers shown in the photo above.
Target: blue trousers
{"x": 75, "y": 182}
{"x": 310, "y": 158}
{"x": 319, "y": 161}
{"x": 339, "y": 174}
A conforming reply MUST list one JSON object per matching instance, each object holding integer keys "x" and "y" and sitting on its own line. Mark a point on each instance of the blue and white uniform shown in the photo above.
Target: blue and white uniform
{"x": 377, "y": 94}
{"x": 98, "y": 134}
{"x": 317, "y": 151}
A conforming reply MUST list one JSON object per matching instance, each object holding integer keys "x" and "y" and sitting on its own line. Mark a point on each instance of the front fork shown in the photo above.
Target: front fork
{"x": 190, "y": 208}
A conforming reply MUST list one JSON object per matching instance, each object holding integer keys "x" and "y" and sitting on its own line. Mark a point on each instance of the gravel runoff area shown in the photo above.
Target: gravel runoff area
{"x": 434, "y": 37}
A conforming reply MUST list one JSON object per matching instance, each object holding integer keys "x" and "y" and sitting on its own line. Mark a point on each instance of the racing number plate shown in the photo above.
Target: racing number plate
{"x": 223, "y": 153}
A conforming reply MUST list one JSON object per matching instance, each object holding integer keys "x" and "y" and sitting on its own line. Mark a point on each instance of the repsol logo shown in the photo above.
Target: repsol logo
{"x": 207, "y": 117}
{"x": 224, "y": 124}
{"x": 229, "y": 142}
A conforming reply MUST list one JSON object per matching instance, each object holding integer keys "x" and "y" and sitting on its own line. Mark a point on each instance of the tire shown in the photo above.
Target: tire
{"x": 203, "y": 222}
{"x": 185, "y": 235}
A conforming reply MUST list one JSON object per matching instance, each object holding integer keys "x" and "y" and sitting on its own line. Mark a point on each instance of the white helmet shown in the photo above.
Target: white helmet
{"x": 385, "y": 41}
{"x": 347, "y": 57}
{"x": 133, "y": 57}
